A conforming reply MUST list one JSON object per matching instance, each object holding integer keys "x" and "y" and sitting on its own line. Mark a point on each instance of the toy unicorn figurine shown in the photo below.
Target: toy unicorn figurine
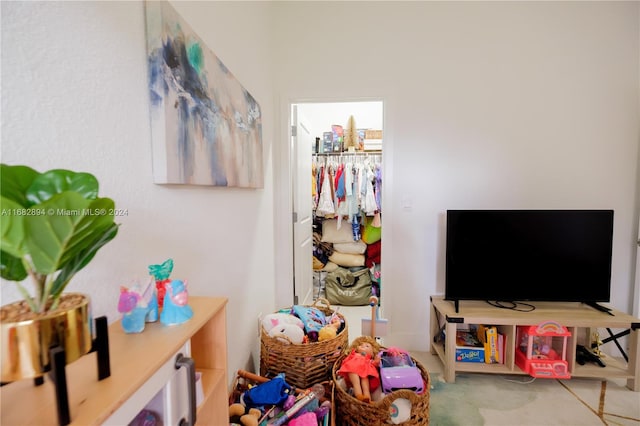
{"x": 176, "y": 310}
{"x": 161, "y": 274}
{"x": 138, "y": 305}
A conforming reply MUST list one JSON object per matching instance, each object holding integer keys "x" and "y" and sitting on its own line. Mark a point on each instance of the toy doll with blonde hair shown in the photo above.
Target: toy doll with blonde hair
{"x": 360, "y": 369}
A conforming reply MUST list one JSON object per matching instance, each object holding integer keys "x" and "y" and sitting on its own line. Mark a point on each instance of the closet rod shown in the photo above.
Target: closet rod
{"x": 348, "y": 153}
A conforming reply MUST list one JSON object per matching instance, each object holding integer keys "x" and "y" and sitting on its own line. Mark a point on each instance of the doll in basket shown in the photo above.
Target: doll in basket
{"x": 360, "y": 370}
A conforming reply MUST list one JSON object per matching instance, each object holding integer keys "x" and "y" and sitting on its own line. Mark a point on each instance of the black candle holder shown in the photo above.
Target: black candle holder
{"x": 58, "y": 374}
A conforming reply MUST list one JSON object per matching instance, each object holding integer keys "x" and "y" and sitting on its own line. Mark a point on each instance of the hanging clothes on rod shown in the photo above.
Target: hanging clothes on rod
{"x": 325, "y": 206}
{"x": 347, "y": 185}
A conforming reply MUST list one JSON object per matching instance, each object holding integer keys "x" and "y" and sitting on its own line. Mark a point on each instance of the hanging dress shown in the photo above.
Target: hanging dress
{"x": 314, "y": 185}
{"x": 369, "y": 204}
{"x": 378, "y": 187}
{"x": 342, "y": 208}
{"x": 351, "y": 198}
{"x": 325, "y": 203}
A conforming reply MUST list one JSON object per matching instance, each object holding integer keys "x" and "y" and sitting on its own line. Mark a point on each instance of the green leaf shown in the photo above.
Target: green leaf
{"x": 90, "y": 227}
{"x": 12, "y": 226}
{"x": 53, "y": 182}
{"x": 49, "y": 236}
{"x": 82, "y": 259}
{"x": 15, "y": 181}
{"x": 11, "y": 267}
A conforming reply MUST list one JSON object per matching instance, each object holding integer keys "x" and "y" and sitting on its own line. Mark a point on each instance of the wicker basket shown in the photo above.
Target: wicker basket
{"x": 245, "y": 379}
{"x": 304, "y": 364}
{"x": 352, "y": 412}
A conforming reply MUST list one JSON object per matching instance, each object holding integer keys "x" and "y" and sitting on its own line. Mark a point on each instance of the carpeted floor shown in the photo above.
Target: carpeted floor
{"x": 485, "y": 399}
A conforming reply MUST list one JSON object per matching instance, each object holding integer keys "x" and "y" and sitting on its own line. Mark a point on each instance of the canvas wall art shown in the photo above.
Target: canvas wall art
{"x": 206, "y": 128}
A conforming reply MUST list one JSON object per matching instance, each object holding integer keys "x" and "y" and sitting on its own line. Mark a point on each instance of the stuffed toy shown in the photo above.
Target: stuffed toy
{"x": 312, "y": 318}
{"x": 329, "y": 331}
{"x": 274, "y": 392}
{"x": 238, "y": 413}
{"x": 280, "y": 323}
{"x": 272, "y": 320}
{"x": 293, "y": 333}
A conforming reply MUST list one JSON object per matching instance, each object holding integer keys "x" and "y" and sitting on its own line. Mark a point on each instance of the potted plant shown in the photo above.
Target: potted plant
{"x": 52, "y": 225}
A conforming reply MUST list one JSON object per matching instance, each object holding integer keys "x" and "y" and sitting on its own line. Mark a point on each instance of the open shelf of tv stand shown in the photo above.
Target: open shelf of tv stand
{"x": 579, "y": 318}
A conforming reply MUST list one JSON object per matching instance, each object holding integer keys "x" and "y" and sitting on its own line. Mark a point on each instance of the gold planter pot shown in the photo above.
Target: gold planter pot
{"x": 25, "y": 344}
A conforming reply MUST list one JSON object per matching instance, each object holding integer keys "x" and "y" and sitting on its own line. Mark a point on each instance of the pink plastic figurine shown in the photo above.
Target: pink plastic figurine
{"x": 175, "y": 309}
{"x": 138, "y": 305}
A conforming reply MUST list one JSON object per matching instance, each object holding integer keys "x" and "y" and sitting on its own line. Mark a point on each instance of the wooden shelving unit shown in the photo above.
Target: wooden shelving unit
{"x": 579, "y": 318}
{"x": 140, "y": 365}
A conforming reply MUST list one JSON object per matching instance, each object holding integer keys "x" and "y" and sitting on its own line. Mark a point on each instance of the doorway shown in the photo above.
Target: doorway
{"x": 318, "y": 151}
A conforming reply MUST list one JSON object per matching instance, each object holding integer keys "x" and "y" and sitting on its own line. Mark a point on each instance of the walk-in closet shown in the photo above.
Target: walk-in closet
{"x": 346, "y": 196}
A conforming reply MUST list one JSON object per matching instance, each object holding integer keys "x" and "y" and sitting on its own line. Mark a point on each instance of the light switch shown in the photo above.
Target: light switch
{"x": 407, "y": 202}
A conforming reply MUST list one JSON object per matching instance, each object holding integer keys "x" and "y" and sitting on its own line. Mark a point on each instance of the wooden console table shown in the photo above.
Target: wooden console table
{"x": 579, "y": 318}
{"x": 142, "y": 366}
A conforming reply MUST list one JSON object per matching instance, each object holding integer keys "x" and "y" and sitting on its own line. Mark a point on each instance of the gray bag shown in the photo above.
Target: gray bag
{"x": 347, "y": 288}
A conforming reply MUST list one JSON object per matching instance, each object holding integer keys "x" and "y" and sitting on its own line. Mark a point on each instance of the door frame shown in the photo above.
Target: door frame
{"x": 302, "y": 222}
{"x": 636, "y": 292}
{"x": 283, "y": 190}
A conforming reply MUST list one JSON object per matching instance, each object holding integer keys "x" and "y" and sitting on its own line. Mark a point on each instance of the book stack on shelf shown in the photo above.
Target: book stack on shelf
{"x": 480, "y": 344}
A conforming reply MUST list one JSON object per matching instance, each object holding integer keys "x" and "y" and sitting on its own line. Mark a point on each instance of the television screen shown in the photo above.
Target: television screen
{"x": 529, "y": 255}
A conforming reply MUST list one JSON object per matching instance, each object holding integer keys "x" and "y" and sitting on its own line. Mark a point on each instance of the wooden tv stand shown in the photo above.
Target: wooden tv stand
{"x": 579, "y": 318}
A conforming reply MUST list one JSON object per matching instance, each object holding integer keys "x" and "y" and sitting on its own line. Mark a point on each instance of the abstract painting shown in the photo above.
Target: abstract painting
{"x": 206, "y": 129}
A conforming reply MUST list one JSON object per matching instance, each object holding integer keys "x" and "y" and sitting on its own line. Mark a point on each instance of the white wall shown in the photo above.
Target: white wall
{"x": 74, "y": 95}
{"x": 487, "y": 105}
{"x": 321, "y": 116}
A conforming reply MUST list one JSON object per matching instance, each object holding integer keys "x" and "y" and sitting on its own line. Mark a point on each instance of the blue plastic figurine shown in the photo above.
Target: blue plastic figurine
{"x": 175, "y": 309}
{"x": 138, "y": 305}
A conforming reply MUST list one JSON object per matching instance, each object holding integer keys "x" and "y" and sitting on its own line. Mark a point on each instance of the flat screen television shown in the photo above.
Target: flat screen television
{"x": 529, "y": 255}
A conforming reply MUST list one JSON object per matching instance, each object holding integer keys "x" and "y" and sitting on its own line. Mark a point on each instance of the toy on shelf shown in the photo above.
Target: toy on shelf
{"x": 145, "y": 418}
{"x": 542, "y": 350}
{"x": 493, "y": 344}
{"x": 595, "y": 345}
{"x": 161, "y": 274}
{"x": 175, "y": 309}
{"x": 583, "y": 355}
{"x": 138, "y": 305}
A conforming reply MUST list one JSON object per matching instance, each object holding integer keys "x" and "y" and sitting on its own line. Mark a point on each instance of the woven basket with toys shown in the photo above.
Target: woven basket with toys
{"x": 257, "y": 400}
{"x": 303, "y": 342}
{"x": 380, "y": 399}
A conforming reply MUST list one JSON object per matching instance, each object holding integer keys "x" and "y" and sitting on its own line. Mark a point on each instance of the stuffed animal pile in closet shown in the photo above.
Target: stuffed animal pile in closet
{"x": 347, "y": 269}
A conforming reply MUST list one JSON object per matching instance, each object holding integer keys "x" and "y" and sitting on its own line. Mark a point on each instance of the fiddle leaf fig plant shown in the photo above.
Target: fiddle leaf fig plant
{"x": 52, "y": 224}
